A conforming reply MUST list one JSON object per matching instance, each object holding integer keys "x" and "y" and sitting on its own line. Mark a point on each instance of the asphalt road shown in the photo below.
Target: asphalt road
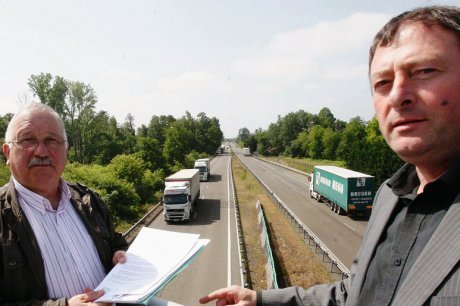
{"x": 218, "y": 265}
{"x": 341, "y": 234}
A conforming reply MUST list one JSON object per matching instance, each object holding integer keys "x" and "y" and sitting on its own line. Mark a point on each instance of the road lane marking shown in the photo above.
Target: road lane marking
{"x": 229, "y": 242}
{"x": 349, "y": 227}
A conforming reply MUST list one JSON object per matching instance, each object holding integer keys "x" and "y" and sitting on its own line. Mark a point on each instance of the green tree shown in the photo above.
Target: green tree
{"x": 352, "y": 147}
{"x": 331, "y": 141}
{"x": 180, "y": 140}
{"x": 51, "y": 91}
{"x": 243, "y": 135}
{"x": 381, "y": 161}
{"x": 158, "y": 126}
{"x": 315, "y": 142}
{"x": 326, "y": 118}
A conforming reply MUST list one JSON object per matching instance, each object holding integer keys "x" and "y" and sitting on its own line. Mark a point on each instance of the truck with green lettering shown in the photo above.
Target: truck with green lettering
{"x": 345, "y": 191}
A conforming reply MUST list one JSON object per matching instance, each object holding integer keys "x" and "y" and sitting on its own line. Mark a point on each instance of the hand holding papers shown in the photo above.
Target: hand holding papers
{"x": 153, "y": 259}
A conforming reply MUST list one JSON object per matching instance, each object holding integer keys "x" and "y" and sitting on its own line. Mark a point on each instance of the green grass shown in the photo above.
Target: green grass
{"x": 304, "y": 164}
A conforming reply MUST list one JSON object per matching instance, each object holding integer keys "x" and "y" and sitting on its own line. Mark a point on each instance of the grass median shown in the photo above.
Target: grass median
{"x": 298, "y": 264}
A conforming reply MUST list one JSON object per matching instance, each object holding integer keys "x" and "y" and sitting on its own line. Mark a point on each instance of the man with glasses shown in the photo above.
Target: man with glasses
{"x": 57, "y": 239}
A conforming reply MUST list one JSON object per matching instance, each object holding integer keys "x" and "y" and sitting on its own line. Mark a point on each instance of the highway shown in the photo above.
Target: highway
{"x": 218, "y": 265}
{"x": 341, "y": 234}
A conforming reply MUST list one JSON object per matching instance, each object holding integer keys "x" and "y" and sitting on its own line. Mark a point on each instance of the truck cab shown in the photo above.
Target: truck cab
{"x": 180, "y": 195}
{"x": 203, "y": 166}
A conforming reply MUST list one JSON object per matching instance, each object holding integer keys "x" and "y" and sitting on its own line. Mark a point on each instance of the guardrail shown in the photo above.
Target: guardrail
{"x": 244, "y": 262}
{"x": 313, "y": 240}
{"x": 132, "y": 232}
{"x": 272, "y": 280}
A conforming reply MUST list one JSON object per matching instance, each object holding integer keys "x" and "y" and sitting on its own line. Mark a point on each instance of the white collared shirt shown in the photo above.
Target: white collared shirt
{"x": 68, "y": 251}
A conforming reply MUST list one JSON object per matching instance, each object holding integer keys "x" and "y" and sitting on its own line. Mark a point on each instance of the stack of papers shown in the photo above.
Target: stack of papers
{"x": 153, "y": 259}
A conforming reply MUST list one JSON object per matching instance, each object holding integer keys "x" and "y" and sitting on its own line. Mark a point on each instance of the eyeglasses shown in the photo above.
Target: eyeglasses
{"x": 31, "y": 143}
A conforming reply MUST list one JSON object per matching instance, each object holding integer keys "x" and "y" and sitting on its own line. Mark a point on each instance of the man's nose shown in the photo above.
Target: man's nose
{"x": 402, "y": 92}
{"x": 41, "y": 149}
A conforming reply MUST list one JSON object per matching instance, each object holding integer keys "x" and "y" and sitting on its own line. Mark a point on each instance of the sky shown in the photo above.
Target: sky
{"x": 245, "y": 62}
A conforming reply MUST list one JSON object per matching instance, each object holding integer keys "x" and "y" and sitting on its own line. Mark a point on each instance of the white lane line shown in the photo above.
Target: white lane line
{"x": 229, "y": 241}
{"x": 300, "y": 181}
{"x": 349, "y": 227}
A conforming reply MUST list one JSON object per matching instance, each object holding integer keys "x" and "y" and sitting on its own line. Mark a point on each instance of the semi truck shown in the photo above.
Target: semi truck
{"x": 204, "y": 167}
{"x": 246, "y": 151}
{"x": 180, "y": 196}
{"x": 345, "y": 191}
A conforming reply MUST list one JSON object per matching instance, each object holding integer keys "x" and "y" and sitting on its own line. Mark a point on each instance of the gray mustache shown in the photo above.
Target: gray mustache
{"x": 40, "y": 161}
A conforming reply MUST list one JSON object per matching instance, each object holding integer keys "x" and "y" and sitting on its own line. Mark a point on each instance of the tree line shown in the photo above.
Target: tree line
{"x": 321, "y": 136}
{"x": 127, "y": 166}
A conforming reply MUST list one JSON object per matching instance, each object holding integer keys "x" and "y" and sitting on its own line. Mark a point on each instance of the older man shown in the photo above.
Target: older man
{"x": 410, "y": 253}
{"x": 57, "y": 239}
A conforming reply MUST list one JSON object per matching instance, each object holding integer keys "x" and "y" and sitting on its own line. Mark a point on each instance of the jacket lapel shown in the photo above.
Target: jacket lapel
{"x": 439, "y": 257}
{"x": 26, "y": 238}
{"x": 383, "y": 207}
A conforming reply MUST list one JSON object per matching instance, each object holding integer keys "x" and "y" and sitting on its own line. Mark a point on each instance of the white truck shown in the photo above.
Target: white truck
{"x": 246, "y": 151}
{"x": 180, "y": 196}
{"x": 204, "y": 167}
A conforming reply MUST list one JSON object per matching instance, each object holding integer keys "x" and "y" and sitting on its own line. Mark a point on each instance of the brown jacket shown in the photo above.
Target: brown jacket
{"x": 22, "y": 274}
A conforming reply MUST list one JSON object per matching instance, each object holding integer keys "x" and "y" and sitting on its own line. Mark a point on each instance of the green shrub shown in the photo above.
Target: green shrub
{"x": 4, "y": 174}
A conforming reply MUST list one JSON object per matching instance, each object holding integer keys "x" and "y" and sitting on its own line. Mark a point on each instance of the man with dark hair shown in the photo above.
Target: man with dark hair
{"x": 411, "y": 250}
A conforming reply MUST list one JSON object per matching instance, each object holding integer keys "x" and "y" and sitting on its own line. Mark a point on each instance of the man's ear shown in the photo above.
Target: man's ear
{"x": 6, "y": 150}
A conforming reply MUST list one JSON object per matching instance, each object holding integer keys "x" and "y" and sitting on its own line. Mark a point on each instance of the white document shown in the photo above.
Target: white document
{"x": 153, "y": 259}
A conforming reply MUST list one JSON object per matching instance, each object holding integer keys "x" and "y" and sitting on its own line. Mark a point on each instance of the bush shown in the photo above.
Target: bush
{"x": 119, "y": 195}
{"x": 5, "y": 174}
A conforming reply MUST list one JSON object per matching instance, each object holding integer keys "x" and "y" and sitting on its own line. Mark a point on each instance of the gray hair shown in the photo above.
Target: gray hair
{"x": 447, "y": 17}
{"x": 33, "y": 107}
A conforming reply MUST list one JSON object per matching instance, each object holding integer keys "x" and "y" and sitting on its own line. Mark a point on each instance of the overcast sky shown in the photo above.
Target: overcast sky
{"x": 242, "y": 61}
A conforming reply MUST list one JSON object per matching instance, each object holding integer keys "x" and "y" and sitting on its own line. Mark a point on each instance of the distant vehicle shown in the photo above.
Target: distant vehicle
{"x": 246, "y": 152}
{"x": 222, "y": 148}
{"x": 180, "y": 196}
{"x": 204, "y": 167}
{"x": 346, "y": 191}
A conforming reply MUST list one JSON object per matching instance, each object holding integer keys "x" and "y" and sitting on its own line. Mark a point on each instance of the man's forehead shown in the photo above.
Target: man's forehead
{"x": 27, "y": 118}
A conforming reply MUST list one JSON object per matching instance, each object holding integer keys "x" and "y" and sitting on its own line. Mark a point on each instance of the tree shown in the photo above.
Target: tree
{"x": 352, "y": 147}
{"x": 158, "y": 126}
{"x": 51, "y": 91}
{"x": 315, "y": 142}
{"x": 243, "y": 135}
{"x": 79, "y": 116}
{"x": 4, "y": 121}
{"x": 381, "y": 161}
{"x": 326, "y": 118}
{"x": 208, "y": 134}
{"x": 179, "y": 140}
{"x": 331, "y": 141}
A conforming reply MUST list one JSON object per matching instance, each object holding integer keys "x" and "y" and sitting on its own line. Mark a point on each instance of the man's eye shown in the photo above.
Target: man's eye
{"x": 28, "y": 141}
{"x": 380, "y": 84}
{"x": 51, "y": 141}
{"x": 424, "y": 71}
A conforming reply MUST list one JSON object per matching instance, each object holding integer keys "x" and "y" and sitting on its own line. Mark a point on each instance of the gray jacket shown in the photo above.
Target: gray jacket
{"x": 433, "y": 280}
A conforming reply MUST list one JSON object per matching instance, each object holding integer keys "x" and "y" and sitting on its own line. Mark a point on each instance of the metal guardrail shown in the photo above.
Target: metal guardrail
{"x": 244, "y": 262}
{"x": 313, "y": 240}
{"x": 272, "y": 280}
{"x": 132, "y": 232}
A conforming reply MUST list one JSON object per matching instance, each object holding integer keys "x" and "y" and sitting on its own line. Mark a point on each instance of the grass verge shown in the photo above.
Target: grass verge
{"x": 298, "y": 264}
{"x": 303, "y": 164}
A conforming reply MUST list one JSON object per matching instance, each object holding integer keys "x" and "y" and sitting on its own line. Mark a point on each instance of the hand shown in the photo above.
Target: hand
{"x": 233, "y": 295}
{"x": 119, "y": 257}
{"x": 87, "y": 298}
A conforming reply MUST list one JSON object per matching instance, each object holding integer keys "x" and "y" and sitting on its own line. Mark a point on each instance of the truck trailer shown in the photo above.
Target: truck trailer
{"x": 246, "y": 151}
{"x": 204, "y": 167}
{"x": 180, "y": 196}
{"x": 346, "y": 191}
